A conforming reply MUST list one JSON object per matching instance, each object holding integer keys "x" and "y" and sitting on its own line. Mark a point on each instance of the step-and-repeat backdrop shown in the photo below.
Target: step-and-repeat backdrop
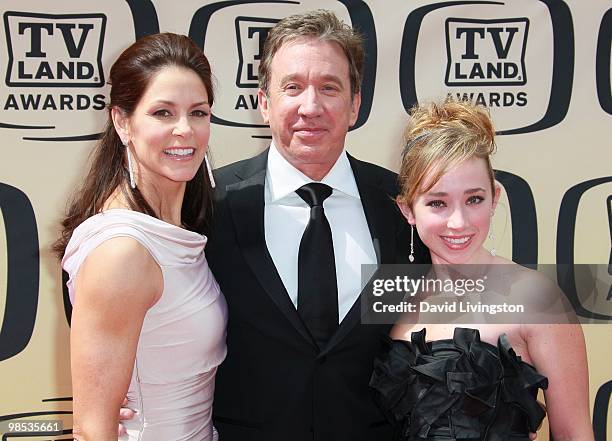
{"x": 541, "y": 66}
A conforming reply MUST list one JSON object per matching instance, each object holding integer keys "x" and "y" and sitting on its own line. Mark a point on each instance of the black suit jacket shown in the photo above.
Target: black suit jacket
{"x": 274, "y": 383}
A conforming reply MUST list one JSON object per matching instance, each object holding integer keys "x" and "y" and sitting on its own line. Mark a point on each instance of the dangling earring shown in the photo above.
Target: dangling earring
{"x": 209, "y": 168}
{"x": 411, "y": 256}
{"x": 129, "y": 158}
{"x": 492, "y": 238}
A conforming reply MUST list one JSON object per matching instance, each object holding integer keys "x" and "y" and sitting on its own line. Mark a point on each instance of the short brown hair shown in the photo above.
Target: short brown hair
{"x": 440, "y": 136}
{"x": 320, "y": 24}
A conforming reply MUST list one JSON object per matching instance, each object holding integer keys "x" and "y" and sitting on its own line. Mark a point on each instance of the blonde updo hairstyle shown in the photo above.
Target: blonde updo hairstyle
{"x": 439, "y": 137}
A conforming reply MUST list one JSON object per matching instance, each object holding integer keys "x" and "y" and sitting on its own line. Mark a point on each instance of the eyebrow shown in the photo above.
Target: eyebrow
{"x": 327, "y": 77}
{"x": 172, "y": 103}
{"x": 468, "y": 191}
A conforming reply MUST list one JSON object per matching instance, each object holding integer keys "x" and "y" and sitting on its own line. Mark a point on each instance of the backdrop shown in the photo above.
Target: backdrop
{"x": 542, "y": 66}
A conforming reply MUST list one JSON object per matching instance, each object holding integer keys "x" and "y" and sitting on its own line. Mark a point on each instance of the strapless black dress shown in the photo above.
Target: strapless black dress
{"x": 459, "y": 389}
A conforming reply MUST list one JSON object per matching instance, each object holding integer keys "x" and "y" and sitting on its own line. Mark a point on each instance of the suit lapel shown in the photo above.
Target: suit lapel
{"x": 379, "y": 216}
{"x": 246, "y": 202}
{"x": 378, "y": 212}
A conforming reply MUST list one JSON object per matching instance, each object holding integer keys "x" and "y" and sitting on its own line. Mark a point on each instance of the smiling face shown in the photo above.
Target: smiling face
{"x": 453, "y": 217}
{"x": 169, "y": 129}
{"x": 309, "y": 105}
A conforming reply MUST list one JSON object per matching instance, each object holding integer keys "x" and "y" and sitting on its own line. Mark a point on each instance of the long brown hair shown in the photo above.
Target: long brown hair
{"x": 129, "y": 77}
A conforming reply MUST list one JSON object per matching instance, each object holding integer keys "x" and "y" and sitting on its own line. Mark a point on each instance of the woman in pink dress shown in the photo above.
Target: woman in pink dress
{"x": 148, "y": 318}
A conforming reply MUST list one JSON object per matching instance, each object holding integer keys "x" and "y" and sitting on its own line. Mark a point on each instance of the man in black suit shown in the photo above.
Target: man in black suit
{"x": 284, "y": 378}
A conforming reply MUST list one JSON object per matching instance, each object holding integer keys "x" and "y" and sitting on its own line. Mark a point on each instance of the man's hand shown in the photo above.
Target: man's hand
{"x": 125, "y": 413}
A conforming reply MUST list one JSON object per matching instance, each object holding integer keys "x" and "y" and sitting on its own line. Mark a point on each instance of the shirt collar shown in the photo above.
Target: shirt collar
{"x": 282, "y": 178}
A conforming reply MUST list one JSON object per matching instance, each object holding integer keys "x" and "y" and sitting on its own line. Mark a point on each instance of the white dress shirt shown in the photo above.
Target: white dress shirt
{"x": 286, "y": 216}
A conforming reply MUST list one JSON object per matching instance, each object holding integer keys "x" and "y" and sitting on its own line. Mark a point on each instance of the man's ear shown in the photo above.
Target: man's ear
{"x": 355, "y": 105}
{"x": 406, "y": 211}
{"x": 262, "y": 100}
{"x": 121, "y": 123}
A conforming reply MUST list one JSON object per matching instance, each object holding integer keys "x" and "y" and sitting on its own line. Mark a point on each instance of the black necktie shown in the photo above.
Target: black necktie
{"x": 317, "y": 288}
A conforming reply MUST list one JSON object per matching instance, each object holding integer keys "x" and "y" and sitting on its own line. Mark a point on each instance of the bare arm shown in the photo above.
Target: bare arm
{"x": 558, "y": 351}
{"x": 115, "y": 286}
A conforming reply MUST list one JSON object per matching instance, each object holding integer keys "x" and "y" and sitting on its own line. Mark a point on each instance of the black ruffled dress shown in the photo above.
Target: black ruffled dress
{"x": 459, "y": 389}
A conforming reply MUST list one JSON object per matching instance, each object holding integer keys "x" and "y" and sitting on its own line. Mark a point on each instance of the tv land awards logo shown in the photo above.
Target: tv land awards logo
{"x": 486, "y": 52}
{"x": 47, "y": 52}
{"x": 55, "y": 64}
{"x": 487, "y": 59}
{"x": 54, "y": 50}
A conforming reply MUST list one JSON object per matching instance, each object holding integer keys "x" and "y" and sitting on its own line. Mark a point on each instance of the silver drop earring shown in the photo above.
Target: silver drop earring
{"x": 492, "y": 238}
{"x": 209, "y": 168}
{"x": 129, "y": 158}
{"x": 411, "y": 256}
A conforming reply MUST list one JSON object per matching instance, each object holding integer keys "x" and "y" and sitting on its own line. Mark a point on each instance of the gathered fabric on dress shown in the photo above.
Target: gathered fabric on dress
{"x": 182, "y": 340}
{"x": 457, "y": 389}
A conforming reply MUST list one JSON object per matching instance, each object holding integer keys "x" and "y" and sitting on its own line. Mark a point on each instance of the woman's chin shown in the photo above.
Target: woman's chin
{"x": 462, "y": 257}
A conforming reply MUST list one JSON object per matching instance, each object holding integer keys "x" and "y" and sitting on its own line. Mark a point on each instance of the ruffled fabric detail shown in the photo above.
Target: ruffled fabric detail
{"x": 459, "y": 388}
